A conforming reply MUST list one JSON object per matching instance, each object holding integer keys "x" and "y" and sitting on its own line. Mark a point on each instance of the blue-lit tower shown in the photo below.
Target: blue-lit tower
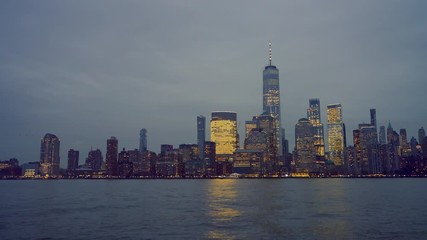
{"x": 271, "y": 97}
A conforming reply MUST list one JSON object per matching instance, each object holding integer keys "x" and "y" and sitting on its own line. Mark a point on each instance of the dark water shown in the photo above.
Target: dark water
{"x": 217, "y": 209}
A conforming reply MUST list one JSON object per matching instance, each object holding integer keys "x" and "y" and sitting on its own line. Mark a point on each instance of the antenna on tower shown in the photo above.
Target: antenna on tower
{"x": 269, "y": 51}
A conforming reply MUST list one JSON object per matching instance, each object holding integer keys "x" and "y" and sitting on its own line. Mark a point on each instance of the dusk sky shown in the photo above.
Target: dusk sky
{"x": 88, "y": 70}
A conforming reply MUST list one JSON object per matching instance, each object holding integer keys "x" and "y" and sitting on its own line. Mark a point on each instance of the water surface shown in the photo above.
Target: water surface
{"x": 214, "y": 209}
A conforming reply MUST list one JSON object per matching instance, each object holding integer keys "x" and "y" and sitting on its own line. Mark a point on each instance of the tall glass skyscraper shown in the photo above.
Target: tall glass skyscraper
{"x": 49, "y": 155}
{"x": 271, "y": 97}
{"x": 201, "y": 135}
{"x": 224, "y": 132}
{"x": 336, "y": 134}
{"x": 313, "y": 114}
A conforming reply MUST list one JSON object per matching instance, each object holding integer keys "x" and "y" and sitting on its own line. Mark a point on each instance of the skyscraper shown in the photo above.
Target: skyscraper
{"x": 224, "y": 132}
{"x": 305, "y": 149}
{"x": 143, "y": 140}
{"x": 94, "y": 159}
{"x": 336, "y": 134}
{"x": 201, "y": 135}
{"x": 49, "y": 155}
{"x": 382, "y": 135}
{"x": 271, "y": 97}
{"x": 111, "y": 156}
{"x": 73, "y": 160}
{"x": 373, "y": 113}
{"x": 369, "y": 149}
{"x": 421, "y": 135}
{"x": 313, "y": 114}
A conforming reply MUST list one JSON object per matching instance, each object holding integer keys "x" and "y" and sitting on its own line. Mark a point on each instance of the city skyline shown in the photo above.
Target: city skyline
{"x": 85, "y": 82}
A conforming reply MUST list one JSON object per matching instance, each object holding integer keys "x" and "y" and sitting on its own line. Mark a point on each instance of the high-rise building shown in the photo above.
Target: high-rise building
{"x": 271, "y": 97}
{"x": 249, "y": 125}
{"x": 336, "y": 134}
{"x": 111, "y": 156}
{"x": 124, "y": 165}
{"x": 49, "y": 155}
{"x": 305, "y": 150}
{"x": 421, "y": 135}
{"x": 201, "y": 135}
{"x": 143, "y": 140}
{"x": 94, "y": 159}
{"x": 73, "y": 160}
{"x": 224, "y": 132}
{"x": 313, "y": 115}
{"x": 392, "y": 160}
{"x": 382, "y": 135}
{"x": 373, "y": 112}
{"x": 369, "y": 150}
{"x": 405, "y": 147}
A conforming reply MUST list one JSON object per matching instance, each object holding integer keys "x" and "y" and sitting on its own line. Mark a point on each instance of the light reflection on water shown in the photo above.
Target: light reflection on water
{"x": 221, "y": 199}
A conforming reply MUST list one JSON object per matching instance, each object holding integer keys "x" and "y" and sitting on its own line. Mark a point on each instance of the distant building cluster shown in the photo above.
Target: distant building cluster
{"x": 265, "y": 151}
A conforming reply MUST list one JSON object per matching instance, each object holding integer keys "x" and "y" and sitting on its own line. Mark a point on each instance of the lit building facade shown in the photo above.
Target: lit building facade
{"x": 271, "y": 98}
{"x": 224, "y": 132}
{"x": 313, "y": 115}
{"x": 305, "y": 150}
{"x": 336, "y": 134}
{"x": 111, "y": 156}
{"x": 49, "y": 155}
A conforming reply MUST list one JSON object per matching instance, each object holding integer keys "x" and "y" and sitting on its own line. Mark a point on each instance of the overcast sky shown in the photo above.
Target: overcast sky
{"x": 88, "y": 70}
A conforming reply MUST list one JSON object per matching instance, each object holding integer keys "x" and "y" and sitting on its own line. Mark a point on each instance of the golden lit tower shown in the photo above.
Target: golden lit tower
{"x": 336, "y": 134}
{"x": 224, "y": 132}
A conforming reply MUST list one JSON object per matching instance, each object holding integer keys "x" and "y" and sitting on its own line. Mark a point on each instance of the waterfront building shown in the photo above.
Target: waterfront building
{"x": 111, "y": 156}
{"x": 370, "y": 162}
{"x": 350, "y": 160}
{"x": 392, "y": 164}
{"x": 262, "y": 136}
{"x": 143, "y": 140}
{"x": 170, "y": 164}
{"x": 125, "y": 166}
{"x": 305, "y": 149}
{"x": 94, "y": 160}
{"x": 313, "y": 115}
{"x": 405, "y": 148}
{"x": 224, "y": 133}
{"x": 271, "y": 98}
{"x": 210, "y": 156}
{"x": 31, "y": 169}
{"x": 201, "y": 135}
{"x": 336, "y": 134}
{"x": 49, "y": 155}
{"x": 248, "y": 161}
{"x": 73, "y": 160}
{"x": 148, "y": 165}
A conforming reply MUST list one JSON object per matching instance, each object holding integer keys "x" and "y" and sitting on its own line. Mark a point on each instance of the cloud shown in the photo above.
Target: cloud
{"x": 88, "y": 70}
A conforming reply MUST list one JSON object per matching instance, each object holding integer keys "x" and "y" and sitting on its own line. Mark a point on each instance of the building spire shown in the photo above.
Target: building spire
{"x": 269, "y": 51}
